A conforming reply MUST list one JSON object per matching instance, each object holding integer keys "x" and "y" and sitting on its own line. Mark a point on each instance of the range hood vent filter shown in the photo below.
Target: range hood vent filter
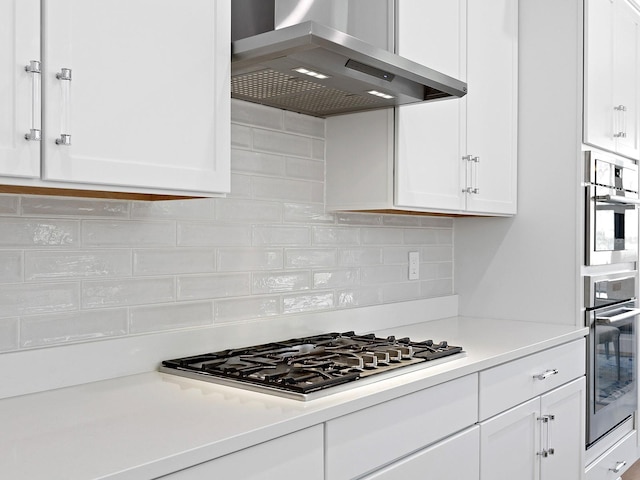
{"x": 298, "y": 94}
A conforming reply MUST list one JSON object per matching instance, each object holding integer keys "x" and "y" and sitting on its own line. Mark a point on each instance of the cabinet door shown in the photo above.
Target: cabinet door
{"x": 455, "y": 458}
{"x": 148, "y": 101}
{"x": 492, "y": 66}
{"x": 429, "y": 140}
{"x": 509, "y": 444}
{"x": 598, "y": 81}
{"x": 611, "y": 113}
{"x": 19, "y": 45}
{"x": 294, "y": 456}
{"x": 626, "y": 78}
{"x": 564, "y": 433}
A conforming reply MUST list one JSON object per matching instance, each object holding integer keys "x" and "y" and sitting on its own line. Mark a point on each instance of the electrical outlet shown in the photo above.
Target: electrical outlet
{"x": 414, "y": 265}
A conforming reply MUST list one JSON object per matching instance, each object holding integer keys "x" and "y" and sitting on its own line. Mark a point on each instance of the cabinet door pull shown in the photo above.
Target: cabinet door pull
{"x": 34, "y": 132}
{"x": 619, "y": 466}
{"x": 621, "y": 121}
{"x": 547, "y": 374}
{"x": 64, "y": 75}
{"x": 472, "y": 174}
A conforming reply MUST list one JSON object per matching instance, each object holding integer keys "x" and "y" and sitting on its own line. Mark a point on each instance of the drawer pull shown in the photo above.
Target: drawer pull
{"x": 618, "y": 467}
{"x": 547, "y": 374}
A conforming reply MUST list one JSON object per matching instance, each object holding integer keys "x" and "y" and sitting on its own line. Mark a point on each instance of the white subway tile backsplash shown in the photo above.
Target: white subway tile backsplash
{"x": 439, "y": 222}
{"x": 436, "y": 288}
{"x": 39, "y": 232}
{"x": 247, "y": 308}
{"x": 336, "y": 236}
{"x": 217, "y": 285}
{"x": 59, "y": 206}
{"x": 34, "y": 298}
{"x": 360, "y": 256}
{"x": 336, "y": 278}
{"x": 241, "y": 136}
{"x": 128, "y": 291}
{"x": 283, "y": 143}
{"x": 191, "y": 234}
{"x": 274, "y": 282}
{"x": 307, "y": 302}
{"x": 167, "y": 261}
{"x": 317, "y": 149}
{"x": 247, "y": 211}
{"x": 256, "y": 115}
{"x": 48, "y": 265}
{"x": 286, "y": 190}
{"x": 384, "y": 274}
{"x": 44, "y": 330}
{"x": 248, "y": 259}
{"x": 436, "y": 254}
{"x": 305, "y": 169}
{"x": 359, "y": 297}
{"x": 9, "y": 328}
{"x": 10, "y": 266}
{"x": 241, "y": 185}
{"x": 303, "y": 124}
{"x": 397, "y": 255}
{"x": 306, "y": 213}
{"x": 281, "y": 235}
{"x": 317, "y": 192}
{"x": 421, "y": 236}
{"x": 397, "y": 292}
{"x": 381, "y": 236}
{"x": 309, "y": 257}
{"x": 344, "y": 218}
{"x": 9, "y": 204}
{"x": 401, "y": 221}
{"x": 258, "y": 163}
{"x": 193, "y": 209}
{"x": 170, "y": 316}
{"x": 79, "y": 270}
{"x": 127, "y": 233}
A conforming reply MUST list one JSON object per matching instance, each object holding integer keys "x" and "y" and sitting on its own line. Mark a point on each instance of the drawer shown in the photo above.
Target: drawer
{"x": 605, "y": 466}
{"x": 365, "y": 440}
{"x": 512, "y": 383}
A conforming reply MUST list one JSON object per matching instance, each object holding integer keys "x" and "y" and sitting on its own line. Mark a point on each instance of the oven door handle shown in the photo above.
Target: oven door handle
{"x": 632, "y": 312}
{"x": 617, "y": 199}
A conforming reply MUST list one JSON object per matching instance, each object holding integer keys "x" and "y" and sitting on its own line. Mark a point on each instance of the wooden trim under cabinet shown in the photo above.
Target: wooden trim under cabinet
{"x": 68, "y": 192}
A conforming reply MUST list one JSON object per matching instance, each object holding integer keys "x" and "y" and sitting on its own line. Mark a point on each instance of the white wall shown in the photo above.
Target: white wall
{"x": 81, "y": 270}
{"x": 528, "y": 267}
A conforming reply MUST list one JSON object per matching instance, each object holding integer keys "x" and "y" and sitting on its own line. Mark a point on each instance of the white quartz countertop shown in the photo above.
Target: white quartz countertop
{"x": 151, "y": 424}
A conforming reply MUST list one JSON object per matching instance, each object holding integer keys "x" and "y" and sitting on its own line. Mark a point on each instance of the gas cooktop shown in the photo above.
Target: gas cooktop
{"x": 310, "y": 367}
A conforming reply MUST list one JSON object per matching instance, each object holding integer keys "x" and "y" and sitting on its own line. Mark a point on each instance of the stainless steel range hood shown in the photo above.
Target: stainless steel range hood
{"x": 317, "y": 70}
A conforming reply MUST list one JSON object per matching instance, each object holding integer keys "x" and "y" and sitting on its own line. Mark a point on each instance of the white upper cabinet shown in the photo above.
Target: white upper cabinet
{"x": 611, "y": 99}
{"x": 450, "y": 156}
{"x": 135, "y": 96}
{"x": 19, "y": 88}
{"x": 461, "y": 154}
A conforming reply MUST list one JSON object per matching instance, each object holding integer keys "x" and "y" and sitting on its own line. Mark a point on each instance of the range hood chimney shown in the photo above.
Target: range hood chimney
{"x": 316, "y": 70}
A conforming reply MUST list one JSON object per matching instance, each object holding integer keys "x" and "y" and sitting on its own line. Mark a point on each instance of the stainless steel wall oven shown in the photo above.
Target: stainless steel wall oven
{"x": 612, "y": 219}
{"x": 612, "y": 316}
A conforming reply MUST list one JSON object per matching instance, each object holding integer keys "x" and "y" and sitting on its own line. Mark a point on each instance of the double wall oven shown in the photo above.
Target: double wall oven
{"x": 611, "y": 291}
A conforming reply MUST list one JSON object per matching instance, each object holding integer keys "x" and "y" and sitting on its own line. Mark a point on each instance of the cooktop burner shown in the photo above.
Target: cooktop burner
{"x": 301, "y": 367}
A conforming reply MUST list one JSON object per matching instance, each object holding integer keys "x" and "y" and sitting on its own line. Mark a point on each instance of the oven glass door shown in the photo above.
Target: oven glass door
{"x": 613, "y": 365}
{"x": 613, "y": 227}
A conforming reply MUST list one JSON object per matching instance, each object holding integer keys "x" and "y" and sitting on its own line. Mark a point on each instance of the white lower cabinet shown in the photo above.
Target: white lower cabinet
{"x": 455, "y": 458}
{"x": 290, "y": 457}
{"x": 542, "y": 439}
{"x": 532, "y": 416}
{"x": 365, "y": 441}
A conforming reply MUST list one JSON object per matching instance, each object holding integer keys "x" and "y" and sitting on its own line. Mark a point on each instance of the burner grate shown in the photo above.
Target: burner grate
{"x": 310, "y": 364}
